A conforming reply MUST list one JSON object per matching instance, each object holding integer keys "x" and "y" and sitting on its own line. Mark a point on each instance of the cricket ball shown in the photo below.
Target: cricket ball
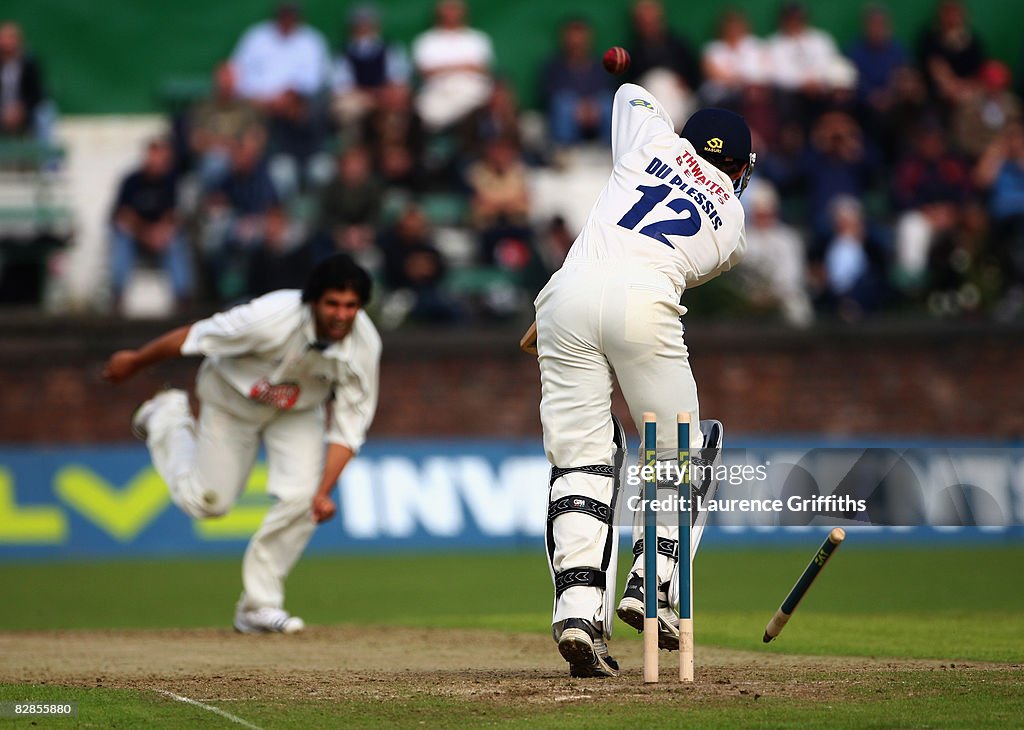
{"x": 616, "y": 60}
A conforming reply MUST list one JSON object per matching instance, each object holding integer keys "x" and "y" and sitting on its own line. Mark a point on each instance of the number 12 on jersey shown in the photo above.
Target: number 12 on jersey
{"x": 686, "y": 225}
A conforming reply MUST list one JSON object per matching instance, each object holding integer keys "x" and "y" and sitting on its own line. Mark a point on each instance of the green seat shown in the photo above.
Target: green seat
{"x": 28, "y": 152}
{"x": 444, "y": 209}
{"x": 177, "y": 93}
{"x": 392, "y": 204}
{"x": 477, "y": 280}
{"x": 40, "y": 216}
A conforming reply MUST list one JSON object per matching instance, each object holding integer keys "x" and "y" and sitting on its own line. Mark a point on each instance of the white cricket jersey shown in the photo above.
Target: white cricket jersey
{"x": 269, "y": 342}
{"x": 664, "y": 205}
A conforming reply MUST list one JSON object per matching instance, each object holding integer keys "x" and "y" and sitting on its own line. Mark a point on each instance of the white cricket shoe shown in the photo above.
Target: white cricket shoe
{"x": 140, "y": 419}
{"x": 267, "y": 620}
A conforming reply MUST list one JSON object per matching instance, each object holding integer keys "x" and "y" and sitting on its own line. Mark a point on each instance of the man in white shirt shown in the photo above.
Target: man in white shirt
{"x": 733, "y": 61}
{"x": 287, "y": 369}
{"x": 668, "y": 219}
{"x": 774, "y": 270}
{"x": 281, "y": 55}
{"x": 283, "y": 67}
{"x": 806, "y": 60}
{"x": 453, "y": 61}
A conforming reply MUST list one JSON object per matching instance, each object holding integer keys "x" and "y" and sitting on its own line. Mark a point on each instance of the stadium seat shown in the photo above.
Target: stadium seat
{"x": 35, "y": 217}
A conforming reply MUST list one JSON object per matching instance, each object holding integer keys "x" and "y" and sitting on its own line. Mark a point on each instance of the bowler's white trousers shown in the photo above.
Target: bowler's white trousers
{"x": 596, "y": 320}
{"x": 206, "y": 466}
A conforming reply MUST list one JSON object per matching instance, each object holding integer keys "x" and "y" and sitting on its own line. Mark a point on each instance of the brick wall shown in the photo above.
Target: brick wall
{"x": 921, "y": 379}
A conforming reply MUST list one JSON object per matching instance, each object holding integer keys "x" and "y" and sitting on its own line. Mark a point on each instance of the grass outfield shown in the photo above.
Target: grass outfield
{"x": 943, "y": 603}
{"x": 895, "y": 608}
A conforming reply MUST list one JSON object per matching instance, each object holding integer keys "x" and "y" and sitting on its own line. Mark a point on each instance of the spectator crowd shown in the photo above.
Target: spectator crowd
{"x": 890, "y": 173}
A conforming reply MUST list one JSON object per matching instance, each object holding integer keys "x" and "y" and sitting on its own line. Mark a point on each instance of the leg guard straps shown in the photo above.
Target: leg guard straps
{"x": 578, "y": 503}
{"x": 667, "y": 547}
{"x": 585, "y": 505}
{"x": 601, "y": 470}
{"x": 572, "y": 577}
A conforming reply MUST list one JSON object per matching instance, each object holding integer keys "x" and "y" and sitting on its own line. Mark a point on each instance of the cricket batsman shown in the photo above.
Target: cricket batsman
{"x": 668, "y": 219}
{"x": 291, "y": 369}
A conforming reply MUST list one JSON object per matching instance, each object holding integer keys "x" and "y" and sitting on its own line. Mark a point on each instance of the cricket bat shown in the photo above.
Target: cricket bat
{"x": 528, "y": 342}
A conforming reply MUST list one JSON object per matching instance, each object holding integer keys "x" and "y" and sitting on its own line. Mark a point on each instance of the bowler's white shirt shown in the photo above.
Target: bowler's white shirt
{"x": 642, "y": 136}
{"x": 270, "y": 338}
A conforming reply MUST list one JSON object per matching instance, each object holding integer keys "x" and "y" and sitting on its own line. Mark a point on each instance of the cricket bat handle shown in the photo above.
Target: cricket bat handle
{"x": 775, "y": 626}
{"x": 528, "y": 342}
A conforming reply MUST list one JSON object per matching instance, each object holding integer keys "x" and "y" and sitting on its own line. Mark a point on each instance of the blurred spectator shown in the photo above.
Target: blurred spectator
{"x": 806, "y": 65}
{"x": 216, "y": 122}
{"x": 735, "y": 60}
{"x": 662, "y": 62}
{"x": 366, "y": 65}
{"x": 1001, "y": 173}
{"x": 247, "y": 188}
{"x": 961, "y": 267}
{"x": 758, "y": 106}
{"x": 282, "y": 261}
{"x": 394, "y": 134}
{"x": 415, "y": 269}
{"x": 774, "y": 271}
{"x": 23, "y": 108}
{"x": 281, "y": 56}
{"x": 838, "y": 162}
{"x": 929, "y": 186}
{"x": 349, "y": 207}
{"x": 500, "y": 205}
{"x": 238, "y": 210}
{"x": 985, "y": 110}
{"x": 853, "y": 287}
{"x": 575, "y": 88}
{"x": 930, "y": 171}
{"x": 877, "y": 56}
{"x": 282, "y": 66}
{"x": 951, "y": 54}
{"x": 453, "y": 61}
{"x": 145, "y": 227}
{"x": 1020, "y": 73}
{"x": 897, "y": 123}
{"x": 556, "y": 242}
{"x": 497, "y": 118}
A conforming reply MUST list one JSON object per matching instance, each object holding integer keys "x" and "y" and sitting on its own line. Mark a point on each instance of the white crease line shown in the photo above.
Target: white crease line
{"x": 211, "y": 708}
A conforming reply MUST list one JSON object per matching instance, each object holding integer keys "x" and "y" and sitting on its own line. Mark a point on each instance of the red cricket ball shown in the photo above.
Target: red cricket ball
{"x": 616, "y": 60}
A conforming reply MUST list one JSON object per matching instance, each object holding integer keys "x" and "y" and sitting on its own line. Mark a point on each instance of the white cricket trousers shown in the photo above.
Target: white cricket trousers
{"x": 206, "y": 466}
{"x": 596, "y": 320}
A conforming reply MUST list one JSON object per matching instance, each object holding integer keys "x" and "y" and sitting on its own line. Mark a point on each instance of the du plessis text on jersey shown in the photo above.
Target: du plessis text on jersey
{"x": 661, "y": 171}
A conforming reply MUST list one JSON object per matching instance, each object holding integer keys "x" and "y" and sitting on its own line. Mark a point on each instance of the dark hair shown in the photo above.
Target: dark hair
{"x": 337, "y": 272}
